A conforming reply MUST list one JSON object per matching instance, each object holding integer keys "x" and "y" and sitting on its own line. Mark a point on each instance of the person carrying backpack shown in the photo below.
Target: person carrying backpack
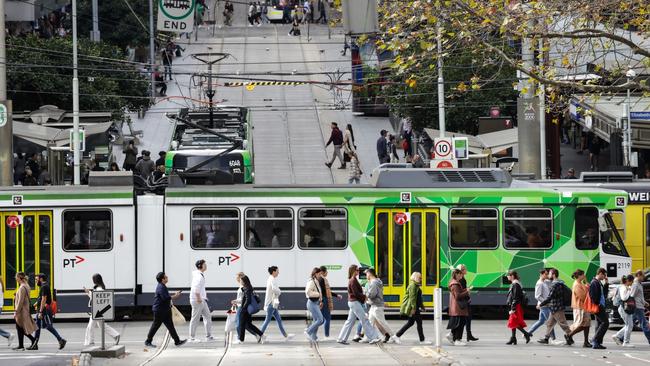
{"x": 558, "y": 299}
{"x": 626, "y": 306}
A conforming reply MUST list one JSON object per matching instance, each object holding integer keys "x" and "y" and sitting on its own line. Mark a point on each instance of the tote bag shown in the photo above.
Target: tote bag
{"x": 589, "y": 306}
{"x": 177, "y": 316}
{"x": 231, "y": 320}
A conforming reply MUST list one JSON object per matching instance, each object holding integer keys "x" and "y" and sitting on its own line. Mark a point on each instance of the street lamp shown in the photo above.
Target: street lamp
{"x": 630, "y": 74}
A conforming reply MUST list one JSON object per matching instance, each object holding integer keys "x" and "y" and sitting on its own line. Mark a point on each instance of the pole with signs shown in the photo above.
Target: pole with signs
{"x": 103, "y": 308}
{"x": 6, "y": 125}
{"x": 176, "y": 15}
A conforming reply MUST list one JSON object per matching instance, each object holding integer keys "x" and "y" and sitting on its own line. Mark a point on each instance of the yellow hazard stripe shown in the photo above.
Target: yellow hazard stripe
{"x": 265, "y": 83}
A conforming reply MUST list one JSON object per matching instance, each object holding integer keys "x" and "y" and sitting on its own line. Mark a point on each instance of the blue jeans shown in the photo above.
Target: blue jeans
{"x": 3, "y": 332}
{"x": 316, "y": 314}
{"x": 46, "y": 322}
{"x": 272, "y": 312}
{"x": 626, "y": 331}
{"x": 357, "y": 312}
{"x": 544, "y": 314}
{"x": 360, "y": 325}
{"x": 327, "y": 317}
{"x": 639, "y": 316}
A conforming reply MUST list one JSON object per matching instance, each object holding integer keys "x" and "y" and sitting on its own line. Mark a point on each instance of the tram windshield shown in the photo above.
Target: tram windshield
{"x": 596, "y": 229}
{"x": 610, "y": 238}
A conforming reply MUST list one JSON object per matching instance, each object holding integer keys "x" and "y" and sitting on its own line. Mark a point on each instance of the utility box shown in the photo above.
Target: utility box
{"x": 360, "y": 16}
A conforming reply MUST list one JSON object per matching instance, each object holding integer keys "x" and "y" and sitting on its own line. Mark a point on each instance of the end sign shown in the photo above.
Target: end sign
{"x": 176, "y": 15}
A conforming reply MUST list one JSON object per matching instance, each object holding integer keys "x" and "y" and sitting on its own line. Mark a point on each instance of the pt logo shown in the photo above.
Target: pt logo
{"x": 228, "y": 259}
{"x": 71, "y": 262}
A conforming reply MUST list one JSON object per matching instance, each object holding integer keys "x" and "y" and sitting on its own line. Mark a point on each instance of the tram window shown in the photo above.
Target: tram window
{"x": 475, "y": 228}
{"x": 323, "y": 228}
{"x": 528, "y": 228}
{"x": 269, "y": 228}
{"x": 87, "y": 230}
{"x": 611, "y": 239}
{"x": 586, "y": 228}
{"x": 215, "y": 229}
{"x": 381, "y": 239}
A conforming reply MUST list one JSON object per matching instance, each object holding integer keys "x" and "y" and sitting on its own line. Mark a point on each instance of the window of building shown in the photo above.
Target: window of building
{"x": 528, "y": 228}
{"x": 475, "y": 228}
{"x": 323, "y": 228}
{"x": 269, "y": 228}
{"x": 215, "y": 228}
{"x": 87, "y": 230}
{"x": 587, "y": 228}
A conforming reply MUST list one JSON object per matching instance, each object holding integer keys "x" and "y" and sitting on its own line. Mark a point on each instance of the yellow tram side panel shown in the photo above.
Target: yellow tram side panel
{"x": 635, "y": 235}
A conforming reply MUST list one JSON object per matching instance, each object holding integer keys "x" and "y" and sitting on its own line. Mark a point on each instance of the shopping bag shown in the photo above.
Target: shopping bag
{"x": 231, "y": 320}
{"x": 177, "y": 317}
{"x": 589, "y": 306}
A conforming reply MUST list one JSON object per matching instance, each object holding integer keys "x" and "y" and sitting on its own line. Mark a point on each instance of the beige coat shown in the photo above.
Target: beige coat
{"x": 22, "y": 306}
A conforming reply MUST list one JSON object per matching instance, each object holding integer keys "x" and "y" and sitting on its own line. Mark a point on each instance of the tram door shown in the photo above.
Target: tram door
{"x": 406, "y": 241}
{"x": 646, "y": 235}
{"x": 25, "y": 246}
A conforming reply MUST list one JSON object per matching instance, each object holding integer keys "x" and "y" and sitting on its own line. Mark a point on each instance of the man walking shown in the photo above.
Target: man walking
{"x": 542, "y": 290}
{"x": 44, "y": 314}
{"x": 639, "y": 300}
{"x": 336, "y": 138}
{"x": 382, "y": 148}
{"x": 556, "y": 303}
{"x": 375, "y": 298}
{"x": 145, "y": 166}
{"x": 162, "y": 312}
{"x": 598, "y": 289}
{"x": 199, "y": 302}
{"x": 167, "y": 63}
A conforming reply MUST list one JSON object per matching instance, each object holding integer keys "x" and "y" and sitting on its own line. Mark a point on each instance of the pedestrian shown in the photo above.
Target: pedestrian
{"x": 382, "y": 148}
{"x": 458, "y": 300}
{"x": 167, "y": 63}
{"x": 468, "y": 320}
{"x": 417, "y": 161}
{"x": 162, "y": 312}
{"x": 515, "y": 302}
{"x": 336, "y": 138}
{"x": 161, "y": 158}
{"x": 594, "y": 153}
{"x": 29, "y": 179}
{"x": 265, "y": 12}
{"x": 314, "y": 295}
{"x": 322, "y": 15}
{"x": 89, "y": 339}
{"x": 571, "y": 174}
{"x": 328, "y": 304}
{"x": 412, "y": 306}
{"x": 130, "y": 153}
{"x": 349, "y": 145}
{"x": 10, "y": 337}
{"x": 19, "y": 169}
{"x": 246, "y": 313}
{"x": 160, "y": 83}
{"x": 625, "y": 304}
{"x": 639, "y": 312}
{"x": 375, "y": 295}
{"x": 542, "y": 290}
{"x": 581, "y": 318}
{"x": 240, "y": 296}
{"x": 199, "y": 302}
{"x": 354, "y": 175}
{"x": 556, "y": 302}
{"x": 598, "y": 290}
{"x": 355, "y": 300}
{"x": 114, "y": 167}
{"x": 392, "y": 149}
{"x": 33, "y": 164}
{"x": 272, "y": 302}
{"x": 25, "y": 325}
{"x": 346, "y": 46}
{"x": 228, "y": 11}
{"x": 251, "y": 14}
{"x": 44, "y": 313}
{"x": 145, "y": 166}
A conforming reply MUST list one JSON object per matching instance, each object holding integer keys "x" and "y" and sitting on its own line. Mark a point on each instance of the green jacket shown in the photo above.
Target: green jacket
{"x": 410, "y": 302}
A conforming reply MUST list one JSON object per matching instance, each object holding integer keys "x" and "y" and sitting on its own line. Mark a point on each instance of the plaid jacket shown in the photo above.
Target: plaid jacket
{"x": 555, "y": 299}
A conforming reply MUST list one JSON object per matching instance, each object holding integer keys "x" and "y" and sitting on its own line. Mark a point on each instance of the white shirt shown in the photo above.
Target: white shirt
{"x": 273, "y": 292}
{"x": 198, "y": 286}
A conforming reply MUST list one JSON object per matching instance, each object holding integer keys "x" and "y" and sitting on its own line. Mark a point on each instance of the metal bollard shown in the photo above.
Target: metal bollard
{"x": 437, "y": 316}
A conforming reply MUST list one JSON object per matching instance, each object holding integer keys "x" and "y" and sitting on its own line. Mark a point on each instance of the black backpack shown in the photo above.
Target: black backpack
{"x": 567, "y": 295}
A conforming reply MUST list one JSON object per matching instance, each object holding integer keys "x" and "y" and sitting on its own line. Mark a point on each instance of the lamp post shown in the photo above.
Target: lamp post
{"x": 627, "y": 141}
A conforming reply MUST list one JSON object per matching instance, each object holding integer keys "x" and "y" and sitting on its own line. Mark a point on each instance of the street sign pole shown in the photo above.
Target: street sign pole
{"x": 103, "y": 335}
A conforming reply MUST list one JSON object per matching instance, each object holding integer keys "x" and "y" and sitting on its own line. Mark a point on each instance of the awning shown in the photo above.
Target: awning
{"x": 495, "y": 141}
{"x": 44, "y": 136}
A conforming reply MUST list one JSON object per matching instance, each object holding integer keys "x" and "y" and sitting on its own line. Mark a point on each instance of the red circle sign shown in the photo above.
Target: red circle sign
{"x": 444, "y": 165}
{"x": 442, "y": 148}
{"x": 13, "y": 222}
{"x": 400, "y": 218}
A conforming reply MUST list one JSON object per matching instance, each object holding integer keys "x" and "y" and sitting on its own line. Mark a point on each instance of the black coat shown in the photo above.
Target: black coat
{"x": 515, "y": 296}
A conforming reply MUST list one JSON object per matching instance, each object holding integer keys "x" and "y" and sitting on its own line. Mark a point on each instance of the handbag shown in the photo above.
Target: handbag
{"x": 629, "y": 306}
{"x": 589, "y": 306}
{"x": 177, "y": 316}
{"x": 231, "y": 320}
{"x": 254, "y": 306}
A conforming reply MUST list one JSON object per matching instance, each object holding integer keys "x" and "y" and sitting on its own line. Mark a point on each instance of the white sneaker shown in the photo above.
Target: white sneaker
{"x": 308, "y": 336}
{"x": 426, "y": 343}
{"x": 259, "y": 24}
{"x": 450, "y": 338}
{"x": 617, "y": 340}
{"x": 210, "y": 339}
{"x": 11, "y": 338}
{"x": 555, "y": 342}
{"x": 628, "y": 345}
{"x": 327, "y": 339}
{"x": 193, "y": 340}
{"x": 237, "y": 341}
{"x": 396, "y": 340}
{"x": 364, "y": 340}
{"x": 373, "y": 341}
{"x": 289, "y": 337}
{"x": 457, "y": 343}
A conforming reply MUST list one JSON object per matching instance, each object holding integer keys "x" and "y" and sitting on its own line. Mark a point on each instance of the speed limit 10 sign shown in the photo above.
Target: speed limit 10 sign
{"x": 443, "y": 148}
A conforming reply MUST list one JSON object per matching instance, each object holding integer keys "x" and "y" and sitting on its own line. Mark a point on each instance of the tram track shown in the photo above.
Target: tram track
{"x": 159, "y": 351}
{"x": 226, "y": 344}
{"x": 382, "y": 347}
{"x": 314, "y": 346}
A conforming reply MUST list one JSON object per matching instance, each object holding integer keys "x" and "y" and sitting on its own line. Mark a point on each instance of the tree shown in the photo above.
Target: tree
{"x": 117, "y": 23}
{"x": 39, "y": 72}
{"x": 578, "y": 39}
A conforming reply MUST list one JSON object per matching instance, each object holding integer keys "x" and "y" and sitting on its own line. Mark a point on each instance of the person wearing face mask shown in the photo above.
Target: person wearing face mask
{"x": 598, "y": 289}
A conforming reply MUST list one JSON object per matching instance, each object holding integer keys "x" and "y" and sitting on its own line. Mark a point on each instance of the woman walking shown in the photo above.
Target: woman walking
{"x": 392, "y": 149}
{"x": 412, "y": 307}
{"x": 356, "y": 299}
{"x": 516, "y": 313}
{"x": 314, "y": 295}
{"x": 328, "y": 304}
{"x": 458, "y": 312}
{"x": 25, "y": 325}
{"x": 621, "y": 301}
{"x": 89, "y": 339}
{"x": 581, "y": 318}
{"x": 272, "y": 302}
{"x": 349, "y": 144}
{"x": 354, "y": 172}
{"x": 247, "y": 311}
{"x": 10, "y": 337}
